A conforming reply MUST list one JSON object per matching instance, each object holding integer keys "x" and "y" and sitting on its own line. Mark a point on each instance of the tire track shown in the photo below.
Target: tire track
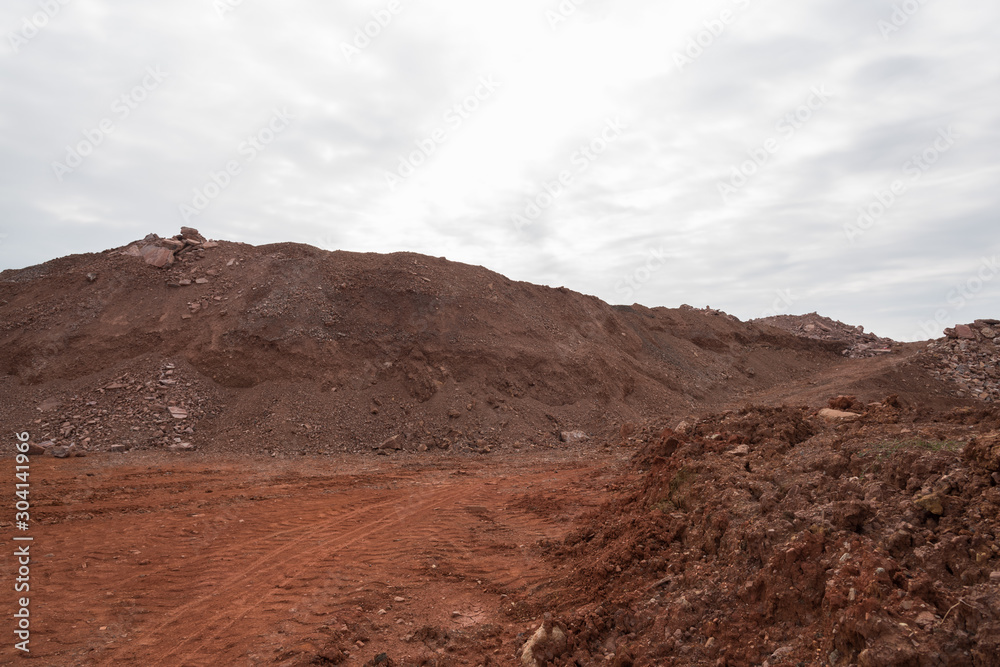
{"x": 276, "y": 567}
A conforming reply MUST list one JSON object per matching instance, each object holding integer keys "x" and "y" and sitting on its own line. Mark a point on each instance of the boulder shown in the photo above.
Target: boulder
{"x": 157, "y": 256}
{"x": 964, "y": 331}
{"x": 573, "y": 436}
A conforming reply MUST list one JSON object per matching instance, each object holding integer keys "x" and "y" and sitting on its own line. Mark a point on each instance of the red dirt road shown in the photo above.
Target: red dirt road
{"x": 191, "y": 560}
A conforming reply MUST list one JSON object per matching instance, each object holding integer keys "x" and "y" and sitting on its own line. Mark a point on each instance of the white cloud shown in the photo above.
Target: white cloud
{"x": 322, "y": 181}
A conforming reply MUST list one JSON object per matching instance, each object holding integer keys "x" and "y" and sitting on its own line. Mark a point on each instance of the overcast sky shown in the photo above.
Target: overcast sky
{"x": 662, "y": 153}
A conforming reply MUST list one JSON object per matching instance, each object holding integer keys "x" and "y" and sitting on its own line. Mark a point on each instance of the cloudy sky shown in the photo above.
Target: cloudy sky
{"x": 758, "y": 156}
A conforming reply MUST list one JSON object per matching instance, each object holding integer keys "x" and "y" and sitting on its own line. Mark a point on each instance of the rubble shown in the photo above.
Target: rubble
{"x": 162, "y": 253}
{"x": 969, "y": 356}
{"x": 134, "y": 411}
{"x": 858, "y": 344}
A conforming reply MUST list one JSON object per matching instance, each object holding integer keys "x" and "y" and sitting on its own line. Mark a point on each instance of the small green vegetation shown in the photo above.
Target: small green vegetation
{"x": 887, "y": 448}
{"x": 880, "y": 451}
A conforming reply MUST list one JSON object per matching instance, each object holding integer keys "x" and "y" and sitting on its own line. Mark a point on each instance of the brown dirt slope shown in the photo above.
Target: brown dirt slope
{"x": 291, "y": 348}
{"x": 771, "y": 536}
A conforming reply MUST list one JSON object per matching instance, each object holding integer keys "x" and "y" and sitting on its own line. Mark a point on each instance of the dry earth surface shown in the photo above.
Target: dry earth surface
{"x": 280, "y": 455}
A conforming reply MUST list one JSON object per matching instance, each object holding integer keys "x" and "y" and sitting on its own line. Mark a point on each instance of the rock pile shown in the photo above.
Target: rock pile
{"x": 163, "y": 252}
{"x": 161, "y": 410}
{"x": 969, "y": 355}
{"x": 859, "y": 344}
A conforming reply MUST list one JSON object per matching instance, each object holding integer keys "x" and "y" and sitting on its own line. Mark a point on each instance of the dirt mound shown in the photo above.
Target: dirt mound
{"x": 773, "y": 536}
{"x": 858, "y": 344}
{"x": 290, "y": 348}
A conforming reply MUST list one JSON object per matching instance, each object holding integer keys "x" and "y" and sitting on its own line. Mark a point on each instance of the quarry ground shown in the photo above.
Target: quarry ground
{"x": 759, "y": 536}
{"x": 149, "y": 559}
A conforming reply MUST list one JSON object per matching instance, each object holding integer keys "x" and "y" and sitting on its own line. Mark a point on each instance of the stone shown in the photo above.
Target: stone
{"x": 181, "y": 447}
{"x": 995, "y": 577}
{"x": 193, "y": 234}
{"x": 837, "y": 415}
{"x": 209, "y": 244}
{"x": 177, "y": 413}
{"x": 742, "y": 450}
{"x": 925, "y": 618}
{"x": 91, "y": 277}
{"x": 132, "y": 251}
{"x": 395, "y": 442}
{"x": 573, "y": 436}
{"x": 201, "y": 281}
{"x": 60, "y": 452}
{"x": 931, "y": 502}
{"x": 157, "y": 256}
{"x": 184, "y": 282}
{"x": 35, "y": 450}
{"x": 49, "y": 404}
{"x": 782, "y": 653}
{"x": 119, "y": 449}
{"x": 964, "y": 332}
{"x": 988, "y": 332}
{"x": 548, "y": 641}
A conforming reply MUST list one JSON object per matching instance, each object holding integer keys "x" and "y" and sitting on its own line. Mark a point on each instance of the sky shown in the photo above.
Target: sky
{"x": 760, "y": 157}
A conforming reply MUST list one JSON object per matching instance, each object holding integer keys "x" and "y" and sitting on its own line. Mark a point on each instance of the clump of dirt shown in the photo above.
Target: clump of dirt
{"x": 772, "y": 536}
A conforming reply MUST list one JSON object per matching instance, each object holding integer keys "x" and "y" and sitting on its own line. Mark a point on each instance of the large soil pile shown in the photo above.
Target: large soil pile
{"x": 290, "y": 348}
